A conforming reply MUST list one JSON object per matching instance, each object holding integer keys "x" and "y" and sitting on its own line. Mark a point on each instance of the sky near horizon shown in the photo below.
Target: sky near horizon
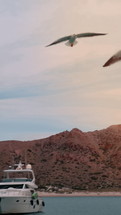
{"x": 47, "y": 90}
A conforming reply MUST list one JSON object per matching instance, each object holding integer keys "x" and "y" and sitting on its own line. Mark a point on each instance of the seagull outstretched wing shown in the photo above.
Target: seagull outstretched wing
{"x": 89, "y": 34}
{"x": 115, "y": 58}
{"x": 62, "y": 39}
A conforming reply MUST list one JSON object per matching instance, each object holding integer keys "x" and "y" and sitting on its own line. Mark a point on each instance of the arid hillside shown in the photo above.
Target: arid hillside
{"x": 75, "y": 159}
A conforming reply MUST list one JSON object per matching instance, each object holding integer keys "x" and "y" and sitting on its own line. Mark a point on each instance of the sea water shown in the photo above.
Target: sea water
{"x": 96, "y": 205}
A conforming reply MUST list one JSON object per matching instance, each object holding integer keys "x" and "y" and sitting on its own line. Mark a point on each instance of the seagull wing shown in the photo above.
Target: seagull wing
{"x": 62, "y": 39}
{"x": 89, "y": 34}
{"x": 113, "y": 59}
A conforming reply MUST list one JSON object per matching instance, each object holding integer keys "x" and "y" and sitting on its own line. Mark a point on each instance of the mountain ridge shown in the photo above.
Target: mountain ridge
{"x": 75, "y": 159}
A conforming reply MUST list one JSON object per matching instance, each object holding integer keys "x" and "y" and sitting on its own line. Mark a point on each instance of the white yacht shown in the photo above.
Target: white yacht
{"x": 18, "y": 194}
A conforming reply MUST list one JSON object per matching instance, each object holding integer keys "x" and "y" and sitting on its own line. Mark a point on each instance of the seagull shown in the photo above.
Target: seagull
{"x": 116, "y": 57}
{"x": 71, "y": 39}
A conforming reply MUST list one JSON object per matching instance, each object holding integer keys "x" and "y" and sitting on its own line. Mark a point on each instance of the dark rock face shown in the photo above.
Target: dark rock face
{"x": 75, "y": 159}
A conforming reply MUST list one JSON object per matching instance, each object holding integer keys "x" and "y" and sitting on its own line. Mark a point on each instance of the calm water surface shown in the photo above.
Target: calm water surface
{"x": 82, "y": 206}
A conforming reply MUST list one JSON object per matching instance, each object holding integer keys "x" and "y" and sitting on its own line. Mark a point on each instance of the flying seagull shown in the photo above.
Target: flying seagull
{"x": 71, "y": 39}
{"x": 116, "y": 57}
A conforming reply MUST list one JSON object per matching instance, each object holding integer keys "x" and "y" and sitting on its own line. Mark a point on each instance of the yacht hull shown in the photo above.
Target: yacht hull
{"x": 20, "y": 205}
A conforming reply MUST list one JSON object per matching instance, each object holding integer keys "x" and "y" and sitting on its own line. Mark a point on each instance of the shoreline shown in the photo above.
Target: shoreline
{"x": 79, "y": 194}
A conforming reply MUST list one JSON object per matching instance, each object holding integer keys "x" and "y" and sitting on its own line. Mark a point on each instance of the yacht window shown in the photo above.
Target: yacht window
{"x": 26, "y": 186}
{"x": 16, "y": 186}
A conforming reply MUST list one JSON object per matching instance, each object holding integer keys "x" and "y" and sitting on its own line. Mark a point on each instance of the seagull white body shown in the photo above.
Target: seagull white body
{"x": 115, "y": 58}
{"x": 71, "y": 39}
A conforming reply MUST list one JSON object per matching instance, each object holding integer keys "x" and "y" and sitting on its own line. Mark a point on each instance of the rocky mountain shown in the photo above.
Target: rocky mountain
{"x": 74, "y": 159}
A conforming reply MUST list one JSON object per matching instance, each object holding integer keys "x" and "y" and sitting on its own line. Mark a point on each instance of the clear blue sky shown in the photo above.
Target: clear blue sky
{"x": 44, "y": 91}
